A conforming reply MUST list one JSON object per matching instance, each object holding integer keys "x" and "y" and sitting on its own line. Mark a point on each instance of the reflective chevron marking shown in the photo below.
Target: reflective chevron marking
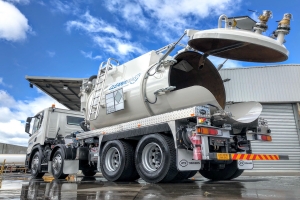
{"x": 254, "y": 157}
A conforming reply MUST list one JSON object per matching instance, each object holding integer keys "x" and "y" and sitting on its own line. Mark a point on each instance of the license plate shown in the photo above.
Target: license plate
{"x": 222, "y": 156}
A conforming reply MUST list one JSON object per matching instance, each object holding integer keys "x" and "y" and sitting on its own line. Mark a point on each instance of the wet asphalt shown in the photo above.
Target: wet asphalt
{"x": 17, "y": 186}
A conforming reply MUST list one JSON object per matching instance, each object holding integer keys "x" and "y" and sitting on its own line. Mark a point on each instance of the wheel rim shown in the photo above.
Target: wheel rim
{"x": 56, "y": 163}
{"x": 112, "y": 159}
{"x": 152, "y": 156}
{"x": 35, "y": 164}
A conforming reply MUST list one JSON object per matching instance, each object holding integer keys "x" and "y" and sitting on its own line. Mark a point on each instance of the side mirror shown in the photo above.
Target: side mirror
{"x": 28, "y": 120}
{"x": 27, "y": 125}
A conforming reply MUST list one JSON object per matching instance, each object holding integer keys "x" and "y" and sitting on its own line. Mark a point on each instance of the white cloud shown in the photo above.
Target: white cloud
{"x": 13, "y": 24}
{"x": 169, "y": 18}
{"x": 90, "y": 55}
{"x": 4, "y": 84}
{"x": 112, "y": 40}
{"x": 92, "y": 24}
{"x": 14, "y": 114}
{"x": 51, "y": 54}
{"x": 66, "y": 7}
{"x": 118, "y": 46}
{"x": 19, "y": 1}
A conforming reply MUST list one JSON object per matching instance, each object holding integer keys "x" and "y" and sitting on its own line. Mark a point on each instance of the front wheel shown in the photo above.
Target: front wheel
{"x": 58, "y": 165}
{"x": 36, "y": 166}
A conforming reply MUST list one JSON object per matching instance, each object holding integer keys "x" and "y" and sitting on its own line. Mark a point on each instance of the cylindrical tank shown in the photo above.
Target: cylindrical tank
{"x": 194, "y": 86}
{"x": 12, "y": 159}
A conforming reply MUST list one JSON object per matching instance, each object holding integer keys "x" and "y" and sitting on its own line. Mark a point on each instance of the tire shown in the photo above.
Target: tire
{"x": 181, "y": 175}
{"x": 155, "y": 158}
{"x": 36, "y": 166}
{"x": 237, "y": 173}
{"x": 88, "y": 172}
{"x": 117, "y": 161}
{"x": 58, "y": 165}
{"x": 192, "y": 173}
{"x": 222, "y": 174}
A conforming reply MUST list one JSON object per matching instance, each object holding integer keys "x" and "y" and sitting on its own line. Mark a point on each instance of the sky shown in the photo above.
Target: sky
{"x": 71, "y": 38}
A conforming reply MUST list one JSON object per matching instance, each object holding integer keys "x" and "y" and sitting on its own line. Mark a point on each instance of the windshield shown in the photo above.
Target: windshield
{"x": 74, "y": 120}
{"x": 38, "y": 119}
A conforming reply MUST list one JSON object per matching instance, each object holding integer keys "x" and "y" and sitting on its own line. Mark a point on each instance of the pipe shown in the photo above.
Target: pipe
{"x": 220, "y": 21}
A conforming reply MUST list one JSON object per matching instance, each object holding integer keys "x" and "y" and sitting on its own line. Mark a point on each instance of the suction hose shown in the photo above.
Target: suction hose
{"x": 92, "y": 77}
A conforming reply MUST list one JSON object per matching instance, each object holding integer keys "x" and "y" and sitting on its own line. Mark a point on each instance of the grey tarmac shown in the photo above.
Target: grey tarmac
{"x": 17, "y": 186}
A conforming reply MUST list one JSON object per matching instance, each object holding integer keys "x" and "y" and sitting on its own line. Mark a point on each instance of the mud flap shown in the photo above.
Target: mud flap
{"x": 185, "y": 161}
{"x": 245, "y": 164}
{"x": 70, "y": 167}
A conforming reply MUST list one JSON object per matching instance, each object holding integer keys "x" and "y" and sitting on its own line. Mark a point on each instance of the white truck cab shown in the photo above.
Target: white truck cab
{"x": 47, "y": 127}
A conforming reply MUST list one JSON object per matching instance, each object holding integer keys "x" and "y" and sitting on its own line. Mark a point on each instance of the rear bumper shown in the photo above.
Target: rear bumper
{"x": 235, "y": 156}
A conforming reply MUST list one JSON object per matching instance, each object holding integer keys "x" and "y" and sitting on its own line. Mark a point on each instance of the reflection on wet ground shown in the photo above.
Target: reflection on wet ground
{"x": 245, "y": 187}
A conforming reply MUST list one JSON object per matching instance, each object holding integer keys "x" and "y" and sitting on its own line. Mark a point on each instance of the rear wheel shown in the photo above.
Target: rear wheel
{"x": 36, "y": 166}
{"x": 155, "y": 158}
{"x": 88, "y": 172}
{"x": 237, "y": 173}
{"x": 192, "y": 173}
{"x": 221, "y": 174}
{"x": 181, "y": 175}
{"x": 58, "y": 165}
{"x": 117, "y": 161}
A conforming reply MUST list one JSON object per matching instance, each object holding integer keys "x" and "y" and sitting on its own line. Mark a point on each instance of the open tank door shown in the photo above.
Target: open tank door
{"x": 239, "y": 43}
{"x": 186, "y": 73}
{"x": 63, "y": 90}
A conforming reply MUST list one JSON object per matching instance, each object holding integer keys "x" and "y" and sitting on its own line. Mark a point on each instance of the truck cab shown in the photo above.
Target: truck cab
{"x": 46, "y": 130}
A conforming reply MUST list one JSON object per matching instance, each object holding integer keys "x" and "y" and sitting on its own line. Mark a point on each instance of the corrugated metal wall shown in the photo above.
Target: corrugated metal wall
{"x": 285, "y": 137}
{"x": 263, "y": 84}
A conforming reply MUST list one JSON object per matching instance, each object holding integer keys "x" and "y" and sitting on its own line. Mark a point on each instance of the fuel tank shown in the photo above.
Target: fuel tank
{"x": 139, "y": 89}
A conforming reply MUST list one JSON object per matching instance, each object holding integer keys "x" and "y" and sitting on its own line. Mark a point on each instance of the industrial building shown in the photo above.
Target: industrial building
{"x": 277, "y": 88}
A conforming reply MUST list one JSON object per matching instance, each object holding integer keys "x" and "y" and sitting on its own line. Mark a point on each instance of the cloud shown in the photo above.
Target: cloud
{"x": 92, "y": 24}
{"x": 66, "y": 7}
{"x": 19, "y": 1}
{"x": 14, "y": 113}
{"x": 90, "y": 55}
{"x": 13, "y": 24}
{"x": 4, "y": 84}
{"x": 51, "y": 54}
{"x": 118, "y": 46}
{"x": 105, "y": 35}
{"x": 169, "y": 18}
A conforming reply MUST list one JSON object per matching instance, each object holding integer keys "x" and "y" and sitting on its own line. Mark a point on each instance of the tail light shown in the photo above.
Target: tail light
{"x": 266, "y": 138}
{"x": 207, "y": 131}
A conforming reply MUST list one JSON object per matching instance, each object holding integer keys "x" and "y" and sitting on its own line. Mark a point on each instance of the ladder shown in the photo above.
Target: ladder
{"x": 2, "y": 167}
{"x": 99, "y": 88}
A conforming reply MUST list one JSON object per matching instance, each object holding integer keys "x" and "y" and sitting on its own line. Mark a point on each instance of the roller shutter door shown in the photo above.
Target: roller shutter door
{"x": 285, "y": 137}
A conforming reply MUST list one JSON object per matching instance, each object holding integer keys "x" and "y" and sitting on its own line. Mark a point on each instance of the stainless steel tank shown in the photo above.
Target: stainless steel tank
{"x": 193, "y": 86}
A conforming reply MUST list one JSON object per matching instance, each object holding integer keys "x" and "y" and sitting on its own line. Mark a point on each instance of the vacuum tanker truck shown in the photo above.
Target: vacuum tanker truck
{"x": 158, "y": 117}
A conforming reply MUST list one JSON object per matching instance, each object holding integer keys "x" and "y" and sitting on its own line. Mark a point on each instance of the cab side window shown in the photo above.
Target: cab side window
{"x": 37, "y": 122}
